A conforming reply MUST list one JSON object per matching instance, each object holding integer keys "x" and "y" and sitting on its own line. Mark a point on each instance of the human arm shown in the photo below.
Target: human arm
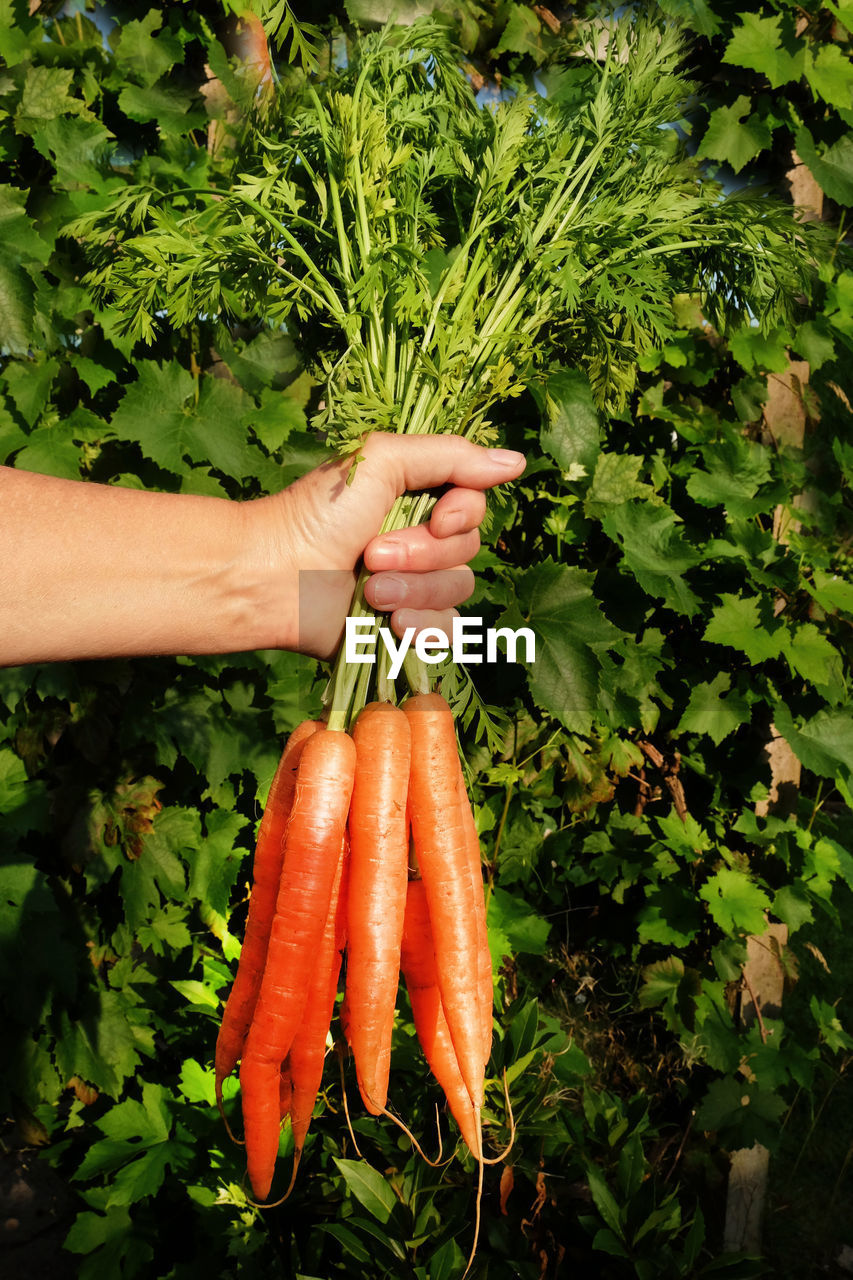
{"x": 93, "y": 571}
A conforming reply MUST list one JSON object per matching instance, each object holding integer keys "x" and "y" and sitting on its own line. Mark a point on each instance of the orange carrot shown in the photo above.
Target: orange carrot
{"x": 313, "y": 843}
{"x": 266, "y": 874}
{"x": 308, "y": 1050}
{"x": 442, "y": 852}
{"x": 485, "y": 985}
{"x": 285, "y": 1090}
{"x": 379, "y": 844}
{"x": 418, "y": 965}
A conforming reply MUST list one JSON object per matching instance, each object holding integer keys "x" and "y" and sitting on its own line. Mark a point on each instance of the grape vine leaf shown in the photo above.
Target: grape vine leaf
{"x": 655, "y": 552}
{"x": 823, "y": 743}
{"x": 99, "y": 1047}
{"x": 832, "y": 167}
{"x": 746, "y": 623}
{"x": 709, "y": 711}
{"x": 141, "y": 54}
{"x": 571, "y": 428}
{"x": 514, "y": 928}
{"x": 736, "y": 903}
{"x": 557, "y": 603}
{"x": 732, "y": 137}
{"x": 829, "y": 72}
{"x": 755, "y": 44}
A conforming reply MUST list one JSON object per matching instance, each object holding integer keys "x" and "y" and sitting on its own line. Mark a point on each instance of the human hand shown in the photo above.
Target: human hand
{"x": 316, "y": 532}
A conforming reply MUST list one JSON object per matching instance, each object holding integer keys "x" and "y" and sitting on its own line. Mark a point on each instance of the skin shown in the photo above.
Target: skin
{"x": 94, "y": 571}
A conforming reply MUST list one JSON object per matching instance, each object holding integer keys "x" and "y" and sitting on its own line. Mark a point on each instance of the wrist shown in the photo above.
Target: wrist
{"x": 264, "y": 580}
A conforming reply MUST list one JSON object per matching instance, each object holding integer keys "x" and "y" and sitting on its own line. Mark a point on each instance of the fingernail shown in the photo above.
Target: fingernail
{"x": 385, "y": 551}
{"x": 508, "y": 458}
{"x": 389, "y": 592}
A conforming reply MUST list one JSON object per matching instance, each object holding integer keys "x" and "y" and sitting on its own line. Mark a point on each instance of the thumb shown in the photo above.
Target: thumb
{"x": 426, "y": 462}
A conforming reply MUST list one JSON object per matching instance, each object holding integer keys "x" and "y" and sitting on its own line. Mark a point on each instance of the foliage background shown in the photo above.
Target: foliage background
{"x": 625, "y": 860}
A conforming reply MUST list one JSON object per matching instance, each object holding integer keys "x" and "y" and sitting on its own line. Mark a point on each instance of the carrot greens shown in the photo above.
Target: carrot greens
{"x": 433, "y": 257}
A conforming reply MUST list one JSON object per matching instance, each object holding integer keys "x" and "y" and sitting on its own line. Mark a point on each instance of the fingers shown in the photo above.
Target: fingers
{"x": 425, "y": 462}
{"x": 457, "y": 511}
{"x": 416, "y": 550}
{"x": 440, "y": 620}
{"x": 424, "y": 592}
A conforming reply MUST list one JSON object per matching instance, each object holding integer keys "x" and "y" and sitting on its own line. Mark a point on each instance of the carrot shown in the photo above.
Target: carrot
{"x": 418, "y": 965}
{"x": 442, "y": 853}
{"x": 313, "y": 842}
{"x": 485, "y": 985}
{"x": 269, "y": 850}
{"x": 379, "y": 844}
{"x": 308, "y": 1050}
{"x": 285, "y": 1090}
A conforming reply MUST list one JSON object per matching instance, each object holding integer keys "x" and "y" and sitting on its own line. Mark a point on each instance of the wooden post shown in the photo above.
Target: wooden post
{"x": 763, "y": 974}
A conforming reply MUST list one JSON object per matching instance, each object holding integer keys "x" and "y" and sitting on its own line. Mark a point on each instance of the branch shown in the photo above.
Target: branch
{"x": 670, "y": 770}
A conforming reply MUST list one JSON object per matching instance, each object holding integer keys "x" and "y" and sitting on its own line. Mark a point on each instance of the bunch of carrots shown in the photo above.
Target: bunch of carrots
{"x": 367, "y": 847}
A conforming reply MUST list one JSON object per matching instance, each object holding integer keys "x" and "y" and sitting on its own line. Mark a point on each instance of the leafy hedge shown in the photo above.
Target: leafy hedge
{"x": 687, "y": 573}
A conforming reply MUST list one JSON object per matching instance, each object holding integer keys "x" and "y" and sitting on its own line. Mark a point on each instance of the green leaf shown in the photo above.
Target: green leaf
{"x": 571, "y": 429}
{"x": 615, "y": 481}
{"x": 28, "y": 383}
{"x": 152, "y": 413}
{"x": 19, "y": 240}
{"x": 605, "y": 1201}
{"x": 671, "y": 916}
{"x": 196, "y": 993}
{"x": 829, "y": 72}
{"x": 141, "y": 54}
{"x": 112, "y": 1233}
{"x": 158, "y": 867}
{"x": 100, "y": 1046}
{"x": 695, "y": 14}
{"x": 165, "y": 928}
{"x": 669, "y": 984}
{"x": 757, "y": 351}
{"x": 197, "y": 1083}
{"x": 737, "y": 469}
{"x": 755, "y": 44}
{"x": 50, "y": 451}
{"x": 78, "y": 148}
{"x": 168, "y": 106}
{"x": 17, "y": 312}
{"x": 747, "y": 624}
{"x": 215, "y": 865}
{"x": 514, "y": 928}
{"x": 522, "y": 33}
{"x": 810, "y": 654}
{"x": 148, "y": 1120}
{"x": 732, "y": 138}
{"x": 709, "y": 711}
{"x": 736, "y": 903}
{"x": 369, "y": 1187}
{"x": 742, "y": 1111}
{"x": 378, "y": 12}
{"x": 814, "y": 343}
{"x": 832, "y": 592}
{"x": 23, "y": 804}
{"x": 46, "y": 95}
{"x": 832, "y": 168}
{"x": 269, "y": 361}
{"x": 655, "y": 552}
{"x": 141, "y": 1177}
{"x": 792, "y": 905}
{"x": 558, "y": 604}
{"x": 823, "y": 743}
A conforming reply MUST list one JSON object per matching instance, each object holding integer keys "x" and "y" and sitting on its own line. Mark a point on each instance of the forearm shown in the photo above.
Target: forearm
{"x": 93, "y": 571}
